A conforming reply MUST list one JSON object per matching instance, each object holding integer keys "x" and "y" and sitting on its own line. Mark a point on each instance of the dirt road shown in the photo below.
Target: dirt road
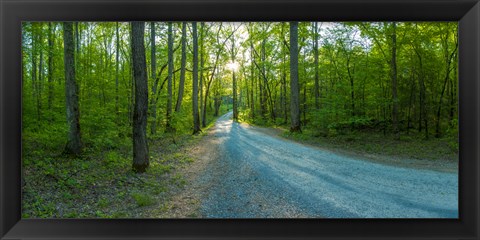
{"x": 257, "y": 175}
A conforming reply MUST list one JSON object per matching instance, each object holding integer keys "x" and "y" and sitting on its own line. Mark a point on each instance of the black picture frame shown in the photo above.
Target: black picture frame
{"x": 13, "y": 12}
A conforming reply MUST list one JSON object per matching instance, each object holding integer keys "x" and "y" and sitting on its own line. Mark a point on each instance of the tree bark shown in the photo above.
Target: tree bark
{"x": 252, "y": 83}
{"x": 51, "y": 40}
{"x": 182, "y": 68}
{"x": 74, "y": 143}
{"x": 396, "y": 131}
{"x": 284, "y": 80}
{"x": 196, "y": 117}
{"x": 448, "y": 60}
{"x": 423, "y": 116}
{"x": 140, "y": 146}
{"x": 153, "y": 66}
{"x": 40, "y": 77}
{"x": 294, "y": 87}
{"x": 117, "y": 62}
{"x": 202, "y": 27}
{"x": 169, "y": 127}
{"x": 234, "y": 83}
{"x": 315, "y": 50}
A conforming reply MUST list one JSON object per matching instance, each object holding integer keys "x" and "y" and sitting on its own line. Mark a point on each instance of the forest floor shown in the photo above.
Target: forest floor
{"x": 100, "y": 182}
{"x": 244, "y": 171}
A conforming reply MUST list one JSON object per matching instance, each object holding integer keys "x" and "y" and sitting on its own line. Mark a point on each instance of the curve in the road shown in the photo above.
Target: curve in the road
{"x": 258, "y": 175}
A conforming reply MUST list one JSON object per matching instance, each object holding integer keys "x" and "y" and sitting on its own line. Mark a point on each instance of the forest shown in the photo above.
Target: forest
{"x": 111, "y": 110}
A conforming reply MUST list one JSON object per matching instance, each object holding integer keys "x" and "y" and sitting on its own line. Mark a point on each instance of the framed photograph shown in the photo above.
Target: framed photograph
{"x": 239, "y": 119}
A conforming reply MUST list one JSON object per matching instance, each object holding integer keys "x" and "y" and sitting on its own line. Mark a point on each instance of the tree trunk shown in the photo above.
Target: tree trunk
{"x": 284, "y": 80}
{"x": 182, "y": 68}
{"x": 294, "y": 88}
{"x": 40, "y": 78}
{"x": 393, "y": 63}
{"x": 74, "y": 144}
{"x": 117, "y": 62}
{"x": 305, "y": 104}
{"x": 234, "y": 80}
{"x": 263, "y": 96}
{"x": 202, "y": 27}
{"x": 196, "y": 118}
{"x": 352, "y": 87}
{"x": 410, "y": 102}
{"x": 423, "y": 109}
{"x": 448, "y": 60}
{"x": 252, "y": 84}
{"x": 51, "y": 40}
{"x": 153, "y": 66}
{"x": 315, "y": 50}
{"x": 169, "y": 127}
{"x": 140, "y": 146}
{"x": 34, "y": 68}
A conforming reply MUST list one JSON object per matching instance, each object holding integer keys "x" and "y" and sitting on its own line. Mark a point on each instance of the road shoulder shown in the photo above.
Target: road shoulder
{"x": 425, "y": 164}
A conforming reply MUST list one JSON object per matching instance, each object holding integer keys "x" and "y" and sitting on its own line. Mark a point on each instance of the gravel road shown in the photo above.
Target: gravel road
{"x": 260, "y": 176}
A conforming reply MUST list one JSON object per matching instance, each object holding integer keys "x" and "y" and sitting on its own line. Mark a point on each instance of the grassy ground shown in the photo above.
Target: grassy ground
{"x": 410, "y": 146}
{"x": 100, "y": 182}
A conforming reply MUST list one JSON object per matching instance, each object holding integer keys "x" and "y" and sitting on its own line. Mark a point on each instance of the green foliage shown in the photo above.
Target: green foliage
{"x": 143, "y": 199}
{"x": 182, "y": 122}
{"x": 355, "y": 102}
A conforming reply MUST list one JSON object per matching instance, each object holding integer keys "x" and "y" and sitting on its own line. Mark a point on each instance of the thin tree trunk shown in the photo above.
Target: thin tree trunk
{"x": 315, "y": 50}
{"x": 196, "y": 118}
{"x": 153, "y": 66}
{"x": 182, "y": 68}
{"x": 202, "y": 27}
{"x": 40, "y": 79}
{"x": 234, "y": 82}
{"x": 396, "y": 131}
{"x": 449, "y": 58}
{"x": 294, "y": 88}
{"x": 51, "y": 40}
{"x": 74, "y": 144}
{"x": 252, "y": 83}
{"x": 305, "y": 104}
{"x": 170, "y": 76}
{"x": 453, "y": 94}
{"x": 423, "y": 109}
{"x": 34, "y": 70}
{"x": 352, "y": 87}
{"x": 284, "y": 80}
{"x": 262, "y": 86}
{"x": 117, "y": 60}
{"x": 410, "y": 102}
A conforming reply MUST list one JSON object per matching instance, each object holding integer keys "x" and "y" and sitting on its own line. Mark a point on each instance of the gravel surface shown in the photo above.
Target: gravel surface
{"x": 255, "y": 175}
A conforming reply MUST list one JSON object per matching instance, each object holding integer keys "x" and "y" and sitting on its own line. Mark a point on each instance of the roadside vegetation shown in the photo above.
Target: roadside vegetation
{"x": 100, "y": 183}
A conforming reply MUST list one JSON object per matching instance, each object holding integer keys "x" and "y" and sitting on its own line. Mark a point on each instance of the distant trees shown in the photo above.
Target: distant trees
{"x": 396, "y": 78}
{"x": 74, "y": 143}
{"x": 140, "y": 145}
